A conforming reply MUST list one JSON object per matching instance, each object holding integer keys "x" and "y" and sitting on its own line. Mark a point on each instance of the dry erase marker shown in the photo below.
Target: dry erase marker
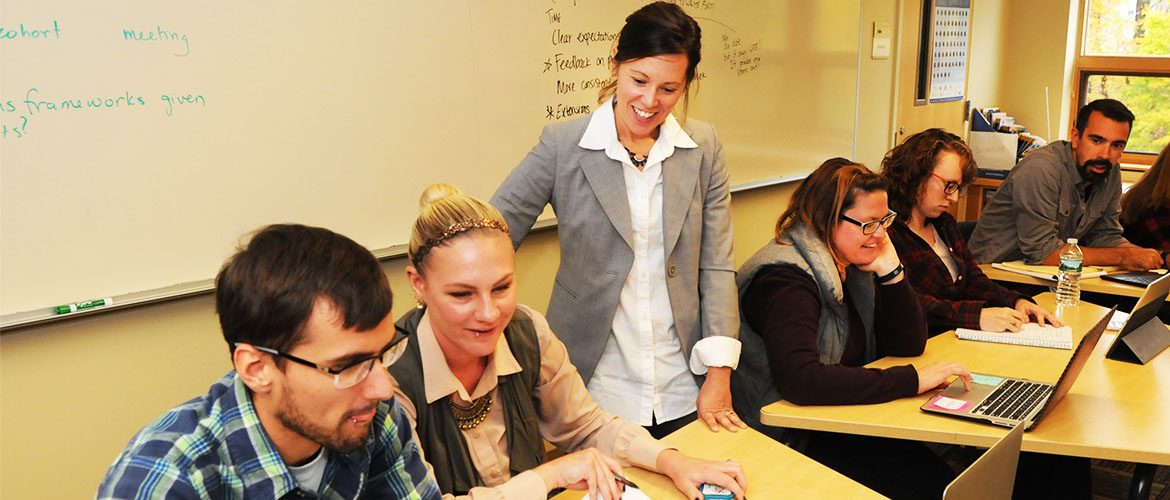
{"x": 81, "y": 306}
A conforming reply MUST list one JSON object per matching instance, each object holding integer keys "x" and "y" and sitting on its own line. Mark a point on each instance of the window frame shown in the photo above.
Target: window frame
{"x": 1086, "y": 66}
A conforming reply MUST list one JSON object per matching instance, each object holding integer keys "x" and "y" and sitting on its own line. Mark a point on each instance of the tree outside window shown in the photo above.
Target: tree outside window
{"x": 1125, "y": 55}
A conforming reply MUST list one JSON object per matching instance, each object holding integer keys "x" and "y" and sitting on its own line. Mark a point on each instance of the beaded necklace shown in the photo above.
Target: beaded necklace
{"x": 637, "y": 160}
{"x": 470, "y": 416}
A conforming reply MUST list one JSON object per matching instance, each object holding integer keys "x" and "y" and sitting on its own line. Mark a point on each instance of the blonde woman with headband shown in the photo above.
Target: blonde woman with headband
{"x": 485, "y": 381}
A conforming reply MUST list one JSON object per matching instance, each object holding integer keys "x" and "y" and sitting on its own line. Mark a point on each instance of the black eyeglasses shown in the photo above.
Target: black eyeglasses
{"x": 951, "y": 186}
{"x": 870, "y": 227}
{"x": 353, "y": 373}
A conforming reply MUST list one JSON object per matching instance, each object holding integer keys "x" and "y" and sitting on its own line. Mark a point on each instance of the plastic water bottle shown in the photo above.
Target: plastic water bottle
{"x": 1068, "y": 287}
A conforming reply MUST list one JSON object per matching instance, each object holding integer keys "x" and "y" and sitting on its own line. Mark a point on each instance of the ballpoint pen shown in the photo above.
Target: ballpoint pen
{"x": 623, "y": 480}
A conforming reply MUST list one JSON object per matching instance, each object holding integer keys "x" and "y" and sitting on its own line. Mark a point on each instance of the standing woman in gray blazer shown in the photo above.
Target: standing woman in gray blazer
{"x": 645, "y": 297}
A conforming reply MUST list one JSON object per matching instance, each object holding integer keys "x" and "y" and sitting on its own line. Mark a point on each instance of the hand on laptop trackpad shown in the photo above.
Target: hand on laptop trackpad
{"x": 956, "y": 388}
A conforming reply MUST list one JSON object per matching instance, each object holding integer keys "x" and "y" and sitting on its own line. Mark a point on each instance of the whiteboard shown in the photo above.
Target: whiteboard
{"x": 142, "y": 139}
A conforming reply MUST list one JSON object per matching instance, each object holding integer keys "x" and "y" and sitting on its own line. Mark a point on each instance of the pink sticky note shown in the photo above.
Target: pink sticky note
{"x": 949, "y": 404}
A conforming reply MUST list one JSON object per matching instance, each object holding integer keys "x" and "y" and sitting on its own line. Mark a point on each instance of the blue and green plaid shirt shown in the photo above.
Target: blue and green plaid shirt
{"x": 214, "y": 447}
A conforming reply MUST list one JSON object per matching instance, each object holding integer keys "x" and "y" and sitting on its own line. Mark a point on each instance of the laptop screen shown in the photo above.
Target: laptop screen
{"x": 1148, "y": 305}
{"x": 1076, "y": 364}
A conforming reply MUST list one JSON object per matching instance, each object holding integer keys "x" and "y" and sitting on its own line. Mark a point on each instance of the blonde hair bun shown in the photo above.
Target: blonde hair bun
{"x": 436, "y": 192}
{"x": 444, "y": 212}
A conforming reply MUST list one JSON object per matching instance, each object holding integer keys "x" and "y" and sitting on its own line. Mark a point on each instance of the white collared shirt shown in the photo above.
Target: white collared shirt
{"x": 642, "y": 374}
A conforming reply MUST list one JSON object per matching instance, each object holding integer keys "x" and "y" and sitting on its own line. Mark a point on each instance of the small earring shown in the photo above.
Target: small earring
{"x": 419, "y": 304}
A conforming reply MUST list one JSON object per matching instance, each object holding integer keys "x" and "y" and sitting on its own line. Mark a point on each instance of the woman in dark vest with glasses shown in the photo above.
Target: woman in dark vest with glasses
{"x": 826, "y": 296}
{"x": 485, "y": 381}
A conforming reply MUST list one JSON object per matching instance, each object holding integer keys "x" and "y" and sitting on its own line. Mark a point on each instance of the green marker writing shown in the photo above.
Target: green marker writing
{"x": 81, "y": 306}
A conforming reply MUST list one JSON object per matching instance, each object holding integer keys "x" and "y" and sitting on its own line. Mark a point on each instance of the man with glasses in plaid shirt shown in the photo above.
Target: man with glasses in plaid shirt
{"x": 307, "y": 411}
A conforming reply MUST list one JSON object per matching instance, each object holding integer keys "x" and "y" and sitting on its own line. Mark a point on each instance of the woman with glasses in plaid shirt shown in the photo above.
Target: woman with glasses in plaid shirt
{"x": 928, "y": 173}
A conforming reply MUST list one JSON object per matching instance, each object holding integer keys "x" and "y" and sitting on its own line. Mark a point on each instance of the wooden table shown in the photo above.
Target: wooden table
{"x": 773, "y": 470}
{"x": 1097, "y": 284}
{"x": 1114, "y": 411}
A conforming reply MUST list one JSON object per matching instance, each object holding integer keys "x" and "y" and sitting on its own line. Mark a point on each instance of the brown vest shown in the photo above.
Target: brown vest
{"x": 440, "y": 437}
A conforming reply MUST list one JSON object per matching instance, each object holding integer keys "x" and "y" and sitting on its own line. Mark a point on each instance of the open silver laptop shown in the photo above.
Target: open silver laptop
{"x": 1008, "y": 401}
{"x": 993, "y": 476}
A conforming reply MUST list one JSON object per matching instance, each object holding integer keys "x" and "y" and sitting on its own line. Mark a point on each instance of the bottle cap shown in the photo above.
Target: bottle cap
{"x": 1072, "y": 241}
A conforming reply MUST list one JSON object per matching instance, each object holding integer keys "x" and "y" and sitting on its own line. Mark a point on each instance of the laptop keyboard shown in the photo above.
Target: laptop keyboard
{"x": 1013, "y": 399}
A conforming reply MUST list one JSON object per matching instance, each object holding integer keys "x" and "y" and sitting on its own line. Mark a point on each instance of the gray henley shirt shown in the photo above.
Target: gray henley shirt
{"x": 1041, "y": 204}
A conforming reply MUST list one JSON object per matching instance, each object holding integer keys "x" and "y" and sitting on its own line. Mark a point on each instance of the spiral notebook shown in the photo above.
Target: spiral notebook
{"x": 1031, "y": 334}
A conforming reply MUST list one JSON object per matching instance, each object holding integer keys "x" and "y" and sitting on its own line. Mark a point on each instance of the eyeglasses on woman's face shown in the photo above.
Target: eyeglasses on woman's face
{"x": 352, "y": 373}
{"x": 950, "y": 187}
{"x": 870, "y": 227}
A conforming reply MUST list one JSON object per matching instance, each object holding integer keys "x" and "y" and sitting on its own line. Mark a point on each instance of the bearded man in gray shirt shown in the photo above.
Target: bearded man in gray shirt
{"x": 1068, "y": 189}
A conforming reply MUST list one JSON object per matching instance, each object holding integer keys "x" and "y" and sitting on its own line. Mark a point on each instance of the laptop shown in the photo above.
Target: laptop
{"x": 1139, "y": 279}
{"x": 1008, "y": 401}
{"x": 993, "y": 475}
{"x": 1143, "y": 335}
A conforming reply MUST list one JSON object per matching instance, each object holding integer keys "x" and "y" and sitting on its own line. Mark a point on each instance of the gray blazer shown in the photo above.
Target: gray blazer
{"x": 588, "y": 193}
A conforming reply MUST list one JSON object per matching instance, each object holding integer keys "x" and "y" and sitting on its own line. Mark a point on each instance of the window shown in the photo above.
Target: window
{"x": 1125, "y": 55}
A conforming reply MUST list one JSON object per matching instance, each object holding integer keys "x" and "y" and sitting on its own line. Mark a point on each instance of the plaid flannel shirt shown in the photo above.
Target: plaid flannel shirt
{"x": 1151, "y": 230}
{"x": 215, "y": 447}
{"x": 948, "y": 303}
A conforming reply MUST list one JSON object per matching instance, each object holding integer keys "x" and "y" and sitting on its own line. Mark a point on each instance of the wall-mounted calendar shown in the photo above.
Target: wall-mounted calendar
{"x": 948, "y": 58}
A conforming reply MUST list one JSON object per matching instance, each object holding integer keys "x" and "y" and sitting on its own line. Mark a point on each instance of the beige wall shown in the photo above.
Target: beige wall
{"x": 876, "y": 91}
{"x": 988, "y": 46}
{"x": 75, "y": 392}
{"x": 1019, "y": 48}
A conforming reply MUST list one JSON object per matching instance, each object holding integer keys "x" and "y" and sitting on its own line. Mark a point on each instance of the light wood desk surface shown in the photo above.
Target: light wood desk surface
{"x": 773, "y": 470}
{"x": 1115, "y": 411}
{"x": 1088, "y": 285}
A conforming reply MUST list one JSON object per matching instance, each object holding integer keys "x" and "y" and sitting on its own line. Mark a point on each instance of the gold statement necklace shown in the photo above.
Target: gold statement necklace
{"x": 468, "y": 417}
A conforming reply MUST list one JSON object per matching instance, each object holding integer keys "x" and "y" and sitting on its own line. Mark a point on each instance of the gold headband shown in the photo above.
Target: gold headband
{"x": 454, "y": 230}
